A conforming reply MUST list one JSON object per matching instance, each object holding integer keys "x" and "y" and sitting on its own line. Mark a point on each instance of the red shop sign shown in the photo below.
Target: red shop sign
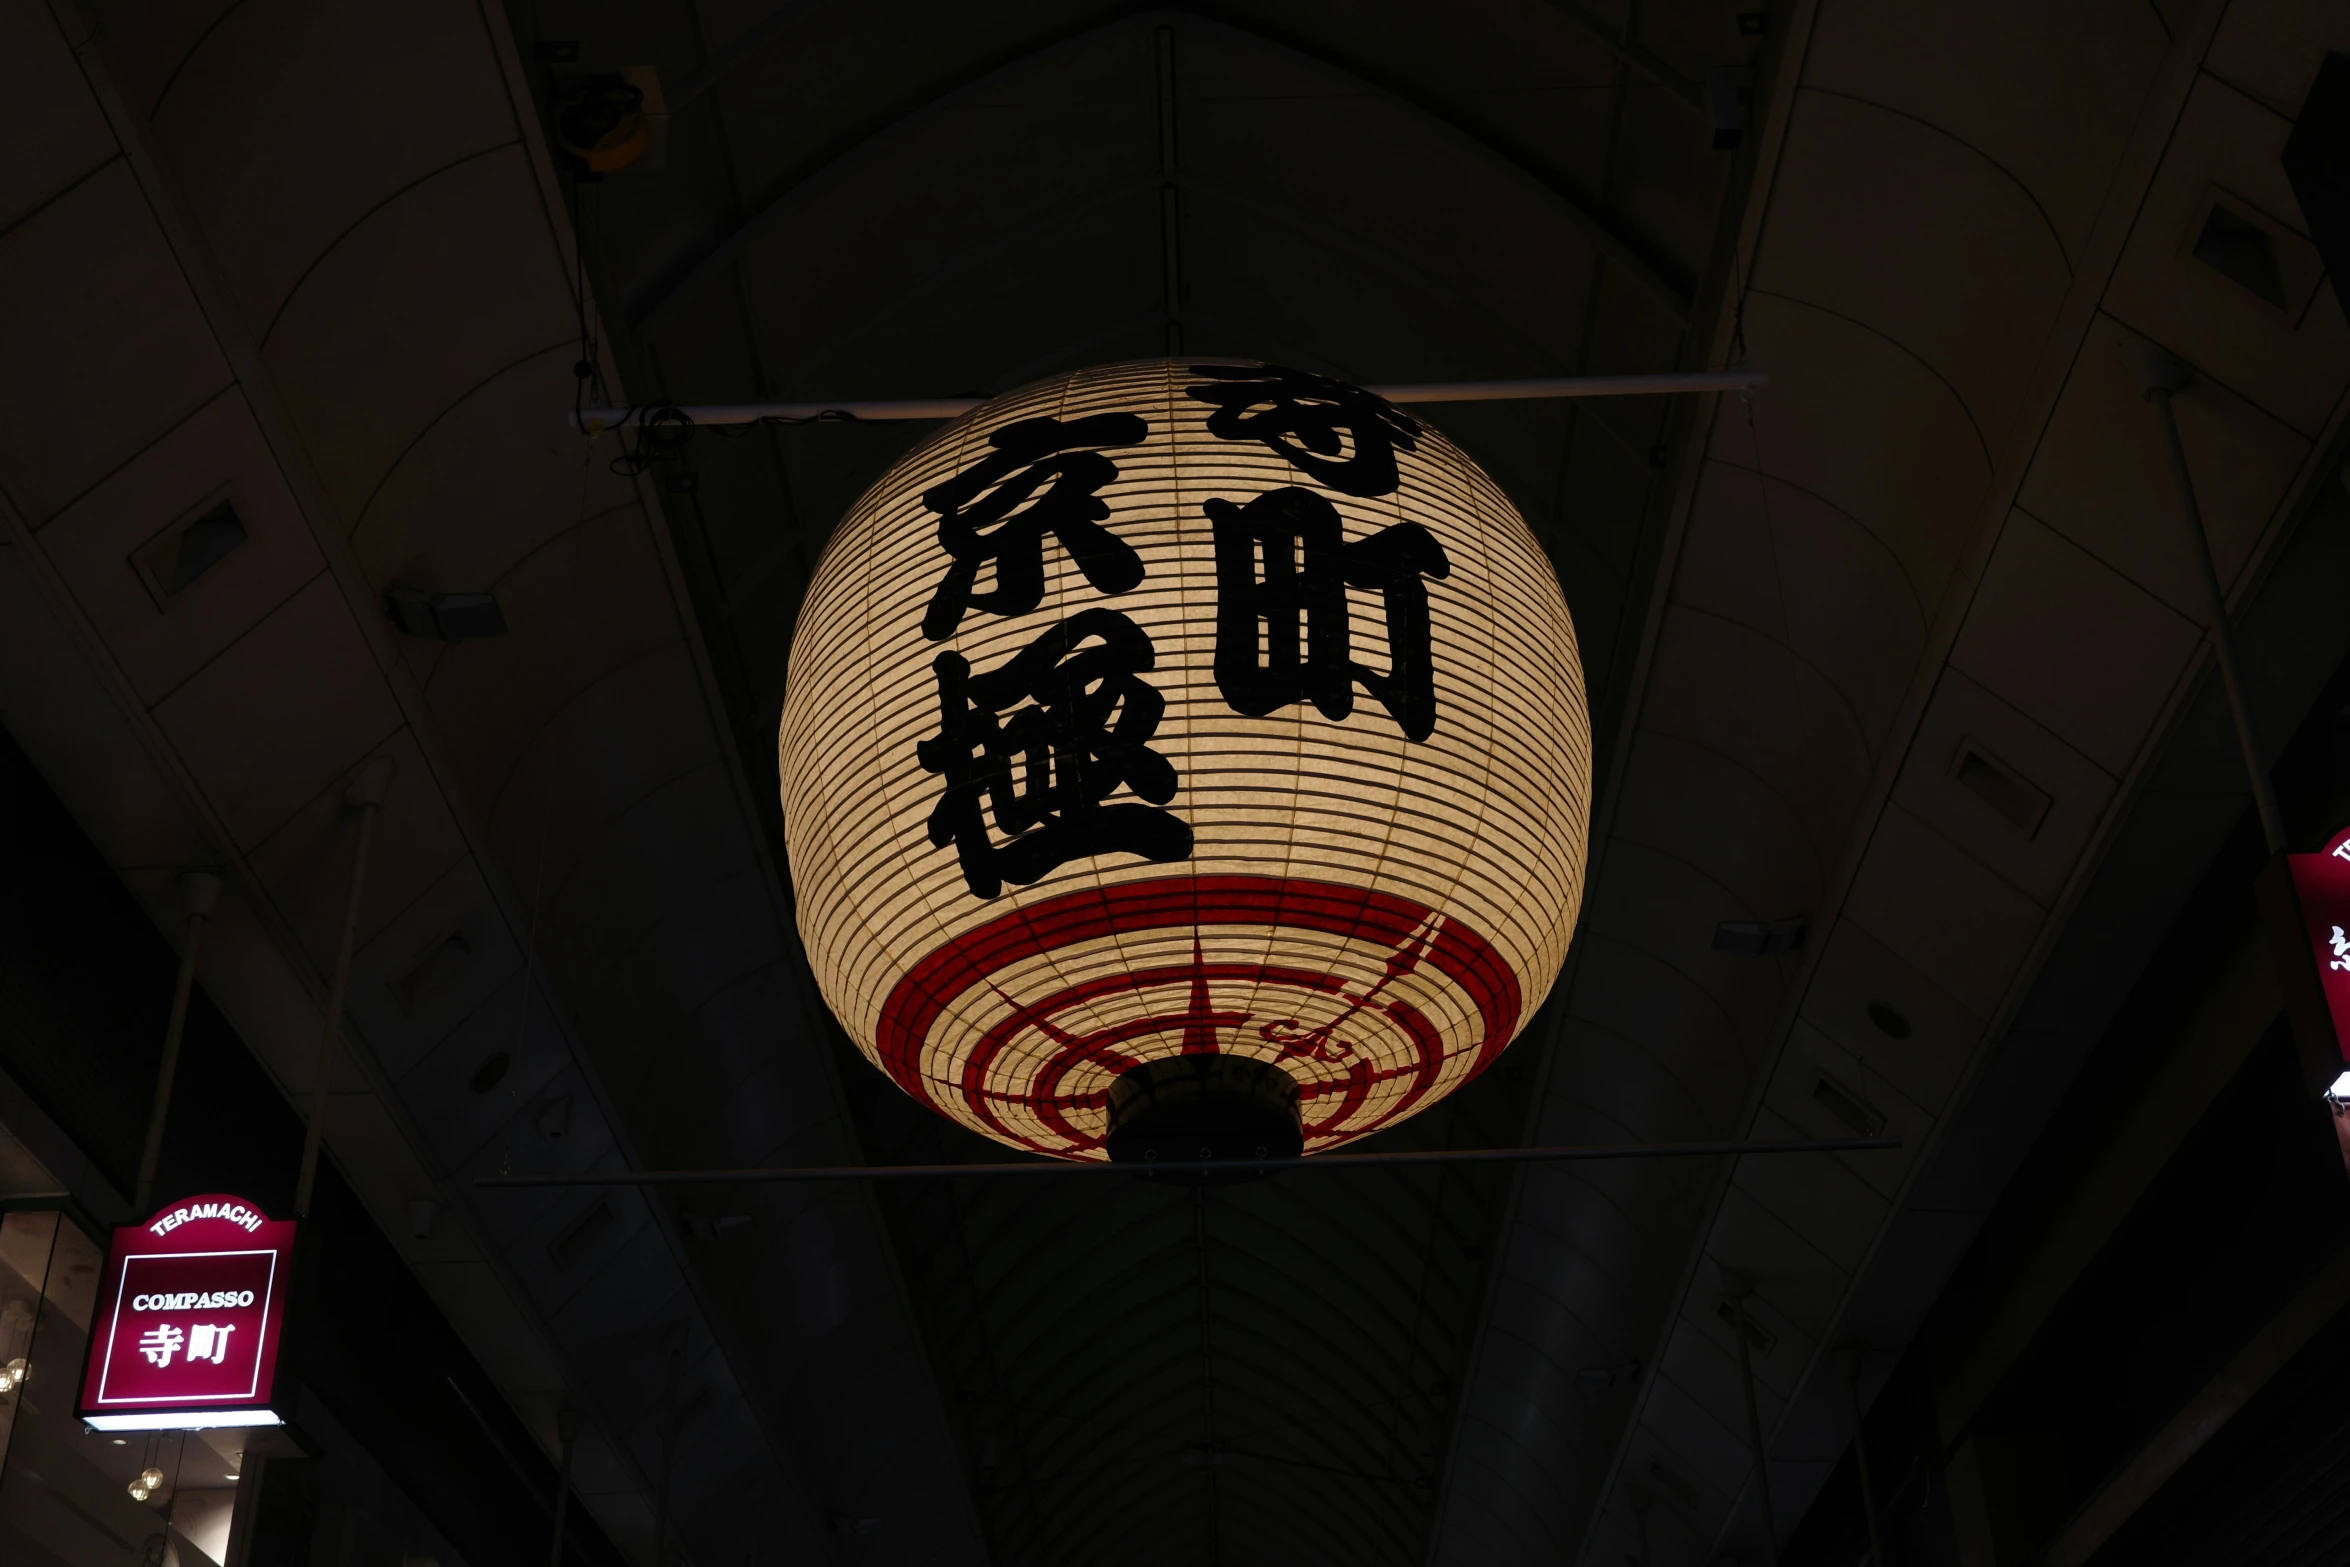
{"x": 188, "y": 1319}
{"x": 2322, "y": 882}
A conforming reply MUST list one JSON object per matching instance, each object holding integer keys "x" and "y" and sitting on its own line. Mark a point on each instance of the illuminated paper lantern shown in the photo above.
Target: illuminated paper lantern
{"x": 1197, "y": 744}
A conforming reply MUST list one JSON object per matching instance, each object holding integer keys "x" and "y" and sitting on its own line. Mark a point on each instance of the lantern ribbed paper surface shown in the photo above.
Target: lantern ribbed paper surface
{"x": 1175, "y": 708}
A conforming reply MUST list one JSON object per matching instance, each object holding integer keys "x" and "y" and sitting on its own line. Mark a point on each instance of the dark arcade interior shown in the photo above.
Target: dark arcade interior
{"x": 1750, "y": 973}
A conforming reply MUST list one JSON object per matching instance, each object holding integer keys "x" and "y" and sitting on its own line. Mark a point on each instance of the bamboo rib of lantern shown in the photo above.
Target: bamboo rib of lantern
{"x": 1327, "y": 1162}
{"x": 593, "y": 420}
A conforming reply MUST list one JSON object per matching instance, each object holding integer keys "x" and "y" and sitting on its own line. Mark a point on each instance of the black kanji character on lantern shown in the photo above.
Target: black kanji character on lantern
{"x": 1044, "y": 771}
{"x": 1338, "y": 434}
{"x": 1000, "y": 494}
{"x": 1282, "y": 570}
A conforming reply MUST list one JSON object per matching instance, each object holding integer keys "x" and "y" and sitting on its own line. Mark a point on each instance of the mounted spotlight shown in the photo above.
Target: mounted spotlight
{"x": 444, "y": 617}
{"x": 611, "y": 120}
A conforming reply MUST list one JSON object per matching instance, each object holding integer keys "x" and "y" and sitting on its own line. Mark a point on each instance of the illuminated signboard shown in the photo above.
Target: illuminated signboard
{"x": 188, "y": 1320}
{"x": 2322, "y": 882}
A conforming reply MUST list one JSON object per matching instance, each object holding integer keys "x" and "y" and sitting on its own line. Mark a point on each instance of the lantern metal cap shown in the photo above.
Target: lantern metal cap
{"x": 1204, "y": 1108}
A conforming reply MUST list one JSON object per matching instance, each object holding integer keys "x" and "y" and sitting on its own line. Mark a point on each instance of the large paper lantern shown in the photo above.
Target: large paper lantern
{"x": 1178, "y": 753}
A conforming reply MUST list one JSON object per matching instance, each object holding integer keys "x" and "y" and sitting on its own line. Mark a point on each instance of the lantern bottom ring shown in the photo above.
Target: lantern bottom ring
{"x": 1209, "y": 1108}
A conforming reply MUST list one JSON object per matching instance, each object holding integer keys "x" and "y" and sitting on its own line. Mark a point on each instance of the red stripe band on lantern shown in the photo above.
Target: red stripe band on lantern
{"x": 922, "y": 996}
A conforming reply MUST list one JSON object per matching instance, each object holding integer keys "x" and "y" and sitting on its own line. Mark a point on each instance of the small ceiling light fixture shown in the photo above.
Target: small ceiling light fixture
{"x": 2241, "y": 251}
{"x": 169, "y": 564}
{"x": 1222, "y": 730}
{"x": 1729, "y": 98}
{"x": 490, "y": 1073}
{"x": 1760, "y": 938}
{"x": 611, "y": 120}
{"x": 1608, "y": 1376}
{"x": 205, "y": 543}
{"x": 553, "y": 1119}
{"x": 444, "y": 617}
{"x": 1865, "y": 1119}
{"x": 710, "y": 1226}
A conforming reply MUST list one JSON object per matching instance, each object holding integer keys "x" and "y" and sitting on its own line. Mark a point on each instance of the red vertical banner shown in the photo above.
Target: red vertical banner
{"x": 189, "y": 1317}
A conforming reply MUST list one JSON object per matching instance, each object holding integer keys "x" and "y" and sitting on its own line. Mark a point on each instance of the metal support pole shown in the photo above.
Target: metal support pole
{"x": 668, "y": 1451}
{"x": 199, "y": 896}
{"x": 2324, "y": 1058}
{"x": 1860, "y": 1461}
{"x": 2163, "y": 376}
{"x": 567, "y": 1424}
{"x": 366, "y": 796}
{"x": 592, "y": 420}
{"x": 1739, "y": 1290}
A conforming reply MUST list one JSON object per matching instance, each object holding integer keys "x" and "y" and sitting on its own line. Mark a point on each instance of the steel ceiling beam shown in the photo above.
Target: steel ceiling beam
{"x": 1623, "y": 248}
{"x": 770, "y": 27}
{"x": 1619, "y": 246}
{"x": 1337, "y": 1162}
{"x": 1055, "y": 219}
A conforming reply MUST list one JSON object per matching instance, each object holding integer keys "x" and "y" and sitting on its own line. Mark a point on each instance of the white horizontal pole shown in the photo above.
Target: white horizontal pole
{"x": 1574, "y": 386}
{"x": 595, "y": 419}
{"x": 1561, "y": 1153}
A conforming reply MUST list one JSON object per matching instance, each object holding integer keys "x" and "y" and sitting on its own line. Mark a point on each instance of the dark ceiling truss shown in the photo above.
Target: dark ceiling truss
{"x": 1043, "y": 222}
{"x": 1657, "y": 277}
{"x": 1287, "y": 1461}
{"x": 1062, "y": 1329}
{"x": 1202, "y": 1269}
{"x": 1031, "y": 1502}
{"x": 1679, "y": 88}
{"x": 1086, "y": 1484}
{"x": 1178, "y": 1367}
{"x": 1075, "y": 1484}
{"x": 1259, "y": 1433}
{"x": 770, "y": 27}
{"x": 1302, "y": 1392}
{"x": 1416, "y": 1338}
{"x": 1036, "y": 225}
{"x": 1248, "y": 1245}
